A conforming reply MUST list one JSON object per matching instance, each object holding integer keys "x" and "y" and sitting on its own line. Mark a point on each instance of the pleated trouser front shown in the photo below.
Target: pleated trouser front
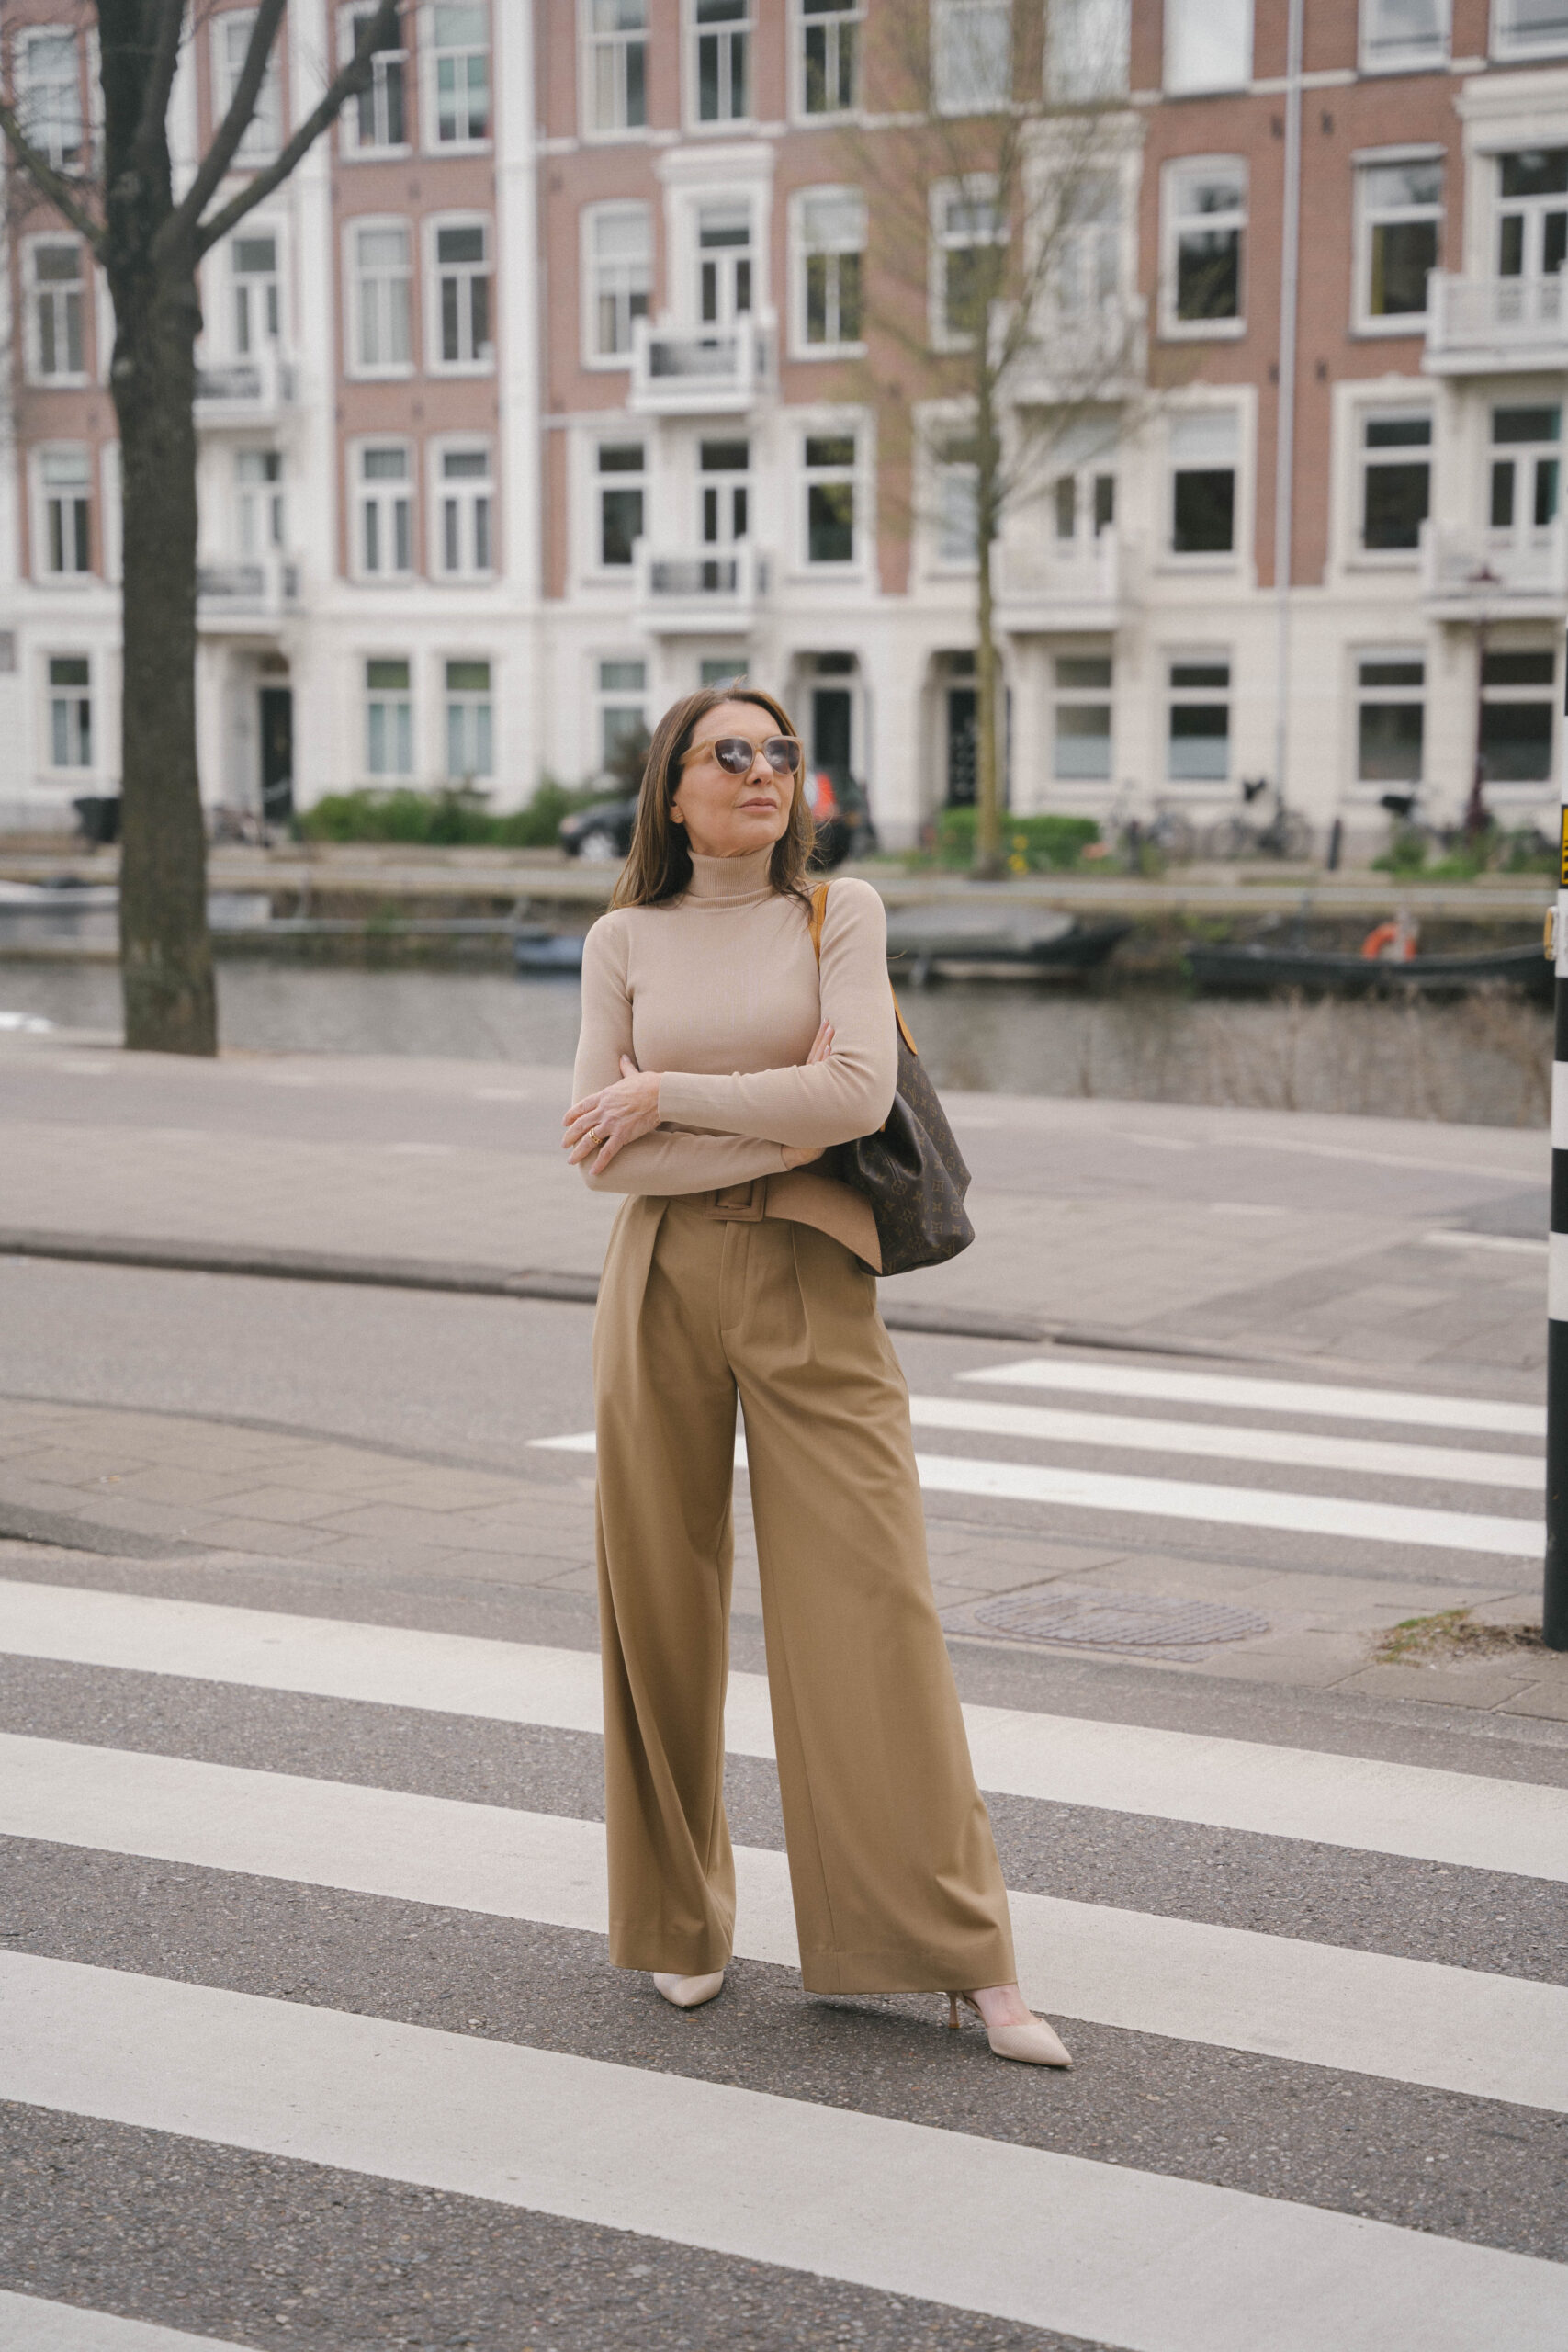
{"x": 894, "y": 1870}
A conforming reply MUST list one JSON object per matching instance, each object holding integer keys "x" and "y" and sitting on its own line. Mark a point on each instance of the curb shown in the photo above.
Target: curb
{"x": 501, "y": 1281}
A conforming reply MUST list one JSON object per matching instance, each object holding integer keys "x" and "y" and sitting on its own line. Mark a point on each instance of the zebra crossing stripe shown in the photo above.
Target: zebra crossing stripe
{"x": 1143, "y": 2260}
{"x": 30, "y": 2323}
{"x": 1366, "y": 1522}
{"x": 1322, "y": 2005}
{"x": 1236, "y": 1393}
{"x": 1461, "y": 1818}
{"x": 1303, "y": 1449}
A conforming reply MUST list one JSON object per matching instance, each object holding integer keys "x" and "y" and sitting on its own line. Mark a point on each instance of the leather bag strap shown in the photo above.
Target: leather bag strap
{"x": 819, "y": 917}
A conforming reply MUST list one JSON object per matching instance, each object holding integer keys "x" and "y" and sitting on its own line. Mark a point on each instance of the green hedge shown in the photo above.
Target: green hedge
{"x": 442, "y": 819}
{"x": 1029, "y": 845}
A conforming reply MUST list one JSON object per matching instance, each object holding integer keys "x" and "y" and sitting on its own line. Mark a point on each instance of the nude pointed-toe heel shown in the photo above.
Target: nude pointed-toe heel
{"x": 689, "y": 1992}
{"x": 1033, "y": 2044}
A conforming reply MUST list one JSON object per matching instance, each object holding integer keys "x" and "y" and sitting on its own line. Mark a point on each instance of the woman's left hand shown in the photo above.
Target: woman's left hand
{"x": 606, "y": 1122}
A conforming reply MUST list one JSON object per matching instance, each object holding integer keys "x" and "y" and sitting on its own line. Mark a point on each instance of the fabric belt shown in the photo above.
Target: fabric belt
{"x": 735, "y": 1204}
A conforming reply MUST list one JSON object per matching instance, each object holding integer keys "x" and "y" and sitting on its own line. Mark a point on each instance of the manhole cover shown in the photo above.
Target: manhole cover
{"x": 1118, "y": 1621}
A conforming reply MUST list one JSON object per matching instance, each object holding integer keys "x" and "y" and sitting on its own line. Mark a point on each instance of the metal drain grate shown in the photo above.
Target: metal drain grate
{"x": 1147, "y": 1623}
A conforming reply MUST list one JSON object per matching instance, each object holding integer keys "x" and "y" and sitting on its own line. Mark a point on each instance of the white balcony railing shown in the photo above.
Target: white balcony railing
{"x": 238, "y": 595}
{"x": 700, "y": 371}
{"x": 245, "y": 392}
{"x": 1468, "y": 575}
{"x": 1480, "y": 324}
{"x": 697, "y": 589}
{"x": 1089, "y": 351}
{"x": 1045, "y": 583}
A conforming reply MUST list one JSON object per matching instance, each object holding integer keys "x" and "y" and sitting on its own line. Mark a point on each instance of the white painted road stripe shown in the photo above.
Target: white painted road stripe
{"x": 1322, "y": 2005}
{"x": 1303, "y": 1449}
{"x": 1143, "y": 2260}
{"x": 1365, "y": 1522}
{"x": 1251, "y": 1396}
{"x": 1383, "y": 1808}
{"x": 29, "y": 2323}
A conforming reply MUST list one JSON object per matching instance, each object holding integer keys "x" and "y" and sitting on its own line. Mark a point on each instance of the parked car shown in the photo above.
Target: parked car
{"x": 599, "y": 835}
{"x": 602, "y": 833}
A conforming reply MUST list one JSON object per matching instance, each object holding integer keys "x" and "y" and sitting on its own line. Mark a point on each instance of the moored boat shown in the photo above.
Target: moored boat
{"x": 1325, "y": 971}
{"x": 966, "y": 937}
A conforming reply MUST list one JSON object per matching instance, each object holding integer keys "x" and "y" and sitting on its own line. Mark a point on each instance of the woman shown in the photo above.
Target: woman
{"x": 717, "y": 1065}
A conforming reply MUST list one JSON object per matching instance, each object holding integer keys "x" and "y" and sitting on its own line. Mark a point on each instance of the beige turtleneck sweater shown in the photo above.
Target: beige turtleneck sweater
{"x": 719, "y": 991}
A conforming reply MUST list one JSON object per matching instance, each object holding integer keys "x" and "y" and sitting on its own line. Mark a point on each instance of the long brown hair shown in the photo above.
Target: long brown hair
{"x": 659, "y": 865}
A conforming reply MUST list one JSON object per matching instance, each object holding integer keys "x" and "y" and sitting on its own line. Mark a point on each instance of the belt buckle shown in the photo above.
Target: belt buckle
{"x": 742, "y": 1204}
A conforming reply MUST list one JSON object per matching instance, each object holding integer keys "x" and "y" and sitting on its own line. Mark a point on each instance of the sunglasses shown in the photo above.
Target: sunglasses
{"x": 735, "y": 755}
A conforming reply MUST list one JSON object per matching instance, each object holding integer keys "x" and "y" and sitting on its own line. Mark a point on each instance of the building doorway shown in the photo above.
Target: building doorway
{"x": 276, "y": 754}
{"x": 962, "y": 717}
{"x": 832, "y": 717}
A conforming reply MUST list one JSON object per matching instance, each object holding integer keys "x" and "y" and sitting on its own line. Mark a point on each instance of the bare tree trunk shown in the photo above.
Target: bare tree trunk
{"x": 165, "y": 948}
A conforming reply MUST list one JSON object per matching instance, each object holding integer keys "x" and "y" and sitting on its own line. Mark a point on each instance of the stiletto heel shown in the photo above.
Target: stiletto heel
{"x": 1033, "y": 2044}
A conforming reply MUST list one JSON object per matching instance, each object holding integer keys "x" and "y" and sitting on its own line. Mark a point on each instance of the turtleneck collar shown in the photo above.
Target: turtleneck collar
{"x": 734, "y": 881}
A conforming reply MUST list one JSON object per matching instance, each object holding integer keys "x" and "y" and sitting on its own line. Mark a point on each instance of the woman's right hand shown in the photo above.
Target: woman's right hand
{"x": 801, "y": 1155}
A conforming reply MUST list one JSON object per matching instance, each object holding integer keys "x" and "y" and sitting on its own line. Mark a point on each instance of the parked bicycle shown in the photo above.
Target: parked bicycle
{"x": 1287, "y": 835}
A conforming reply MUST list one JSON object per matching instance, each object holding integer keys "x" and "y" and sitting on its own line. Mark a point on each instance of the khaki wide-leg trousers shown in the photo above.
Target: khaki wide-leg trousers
{"x": 894, "y": 1870}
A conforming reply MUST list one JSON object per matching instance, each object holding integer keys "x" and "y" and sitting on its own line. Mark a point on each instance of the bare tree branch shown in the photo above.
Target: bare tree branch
{"x": 65, "y": 198}
{"x": 226, "y": 139}
{"x": 353, "y": 78}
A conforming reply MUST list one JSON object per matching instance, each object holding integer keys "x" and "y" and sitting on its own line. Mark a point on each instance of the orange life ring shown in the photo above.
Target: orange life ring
{"x": 1386, "y": 935}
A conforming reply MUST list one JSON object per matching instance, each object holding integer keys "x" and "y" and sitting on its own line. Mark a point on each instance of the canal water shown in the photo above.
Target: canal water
{"x": 1483, "y": 1059}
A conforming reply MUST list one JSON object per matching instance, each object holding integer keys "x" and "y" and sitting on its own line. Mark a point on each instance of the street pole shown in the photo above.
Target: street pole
{"x": 1554, "y": 1603}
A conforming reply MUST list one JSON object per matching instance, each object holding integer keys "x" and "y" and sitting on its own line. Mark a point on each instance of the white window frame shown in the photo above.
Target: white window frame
{"x": 635, "y": 435}
{"x": 951, "y": 491}
{"x": 613, "y": 47}
{"x": 1390, "y": 56}
{"x": 1188, "y": 698}
{"x": 853, "y": 429}
{"x": 1367, "y": 217}
{"x": 481, "y": 359}
{"x": 1183, "y": 76}
{"x": 1366, "y": 413}
{"x": 258, "y": 496}
{"x": 833, "y": 247}
{"x": 1507, "y": 46}
{"x": 391, "y": 699}
{"x": 73, "y": 694}
{"x": 1064, "y": 697}
{"x": 1087, "y": 60}
{"x": 265, "y": 131}
{"x": 470, "y": 702}
{"x": 111, "y": 511}
{"x": 463, "y": 491}
{"x": 1207, "y": 558}
{"x": 979, "y": 189}
{"x": 357, "y": 225}
{"x": 838, "y": 17}
{"x": 594, "y": 273}
{"x": 951, "y": 19}
{"x": 69, "y": 575}
{"x": 743, "y": 27}
{"x": 34, "y": 296}
{"x": 1180, "y": 174}
{"x": 430, "y": 91}
{"x": 1519, "y": 790}
{"x": 617, "y": 698}
{"x": 385, "y": 494}
{"x": 353, "y": 146}
{"x": 263, "y": 336}
{"x": 53, "y": 149}
{"x": 1369, "y": 788}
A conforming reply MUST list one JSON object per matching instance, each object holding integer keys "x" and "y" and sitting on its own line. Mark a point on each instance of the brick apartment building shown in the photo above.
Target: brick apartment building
{"x": 552, "y": 384}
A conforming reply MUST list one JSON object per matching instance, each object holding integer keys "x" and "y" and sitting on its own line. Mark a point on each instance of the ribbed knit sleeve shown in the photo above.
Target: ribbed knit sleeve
{"x": 819, "y": 1103}
{"x": 663, "y": 1162}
